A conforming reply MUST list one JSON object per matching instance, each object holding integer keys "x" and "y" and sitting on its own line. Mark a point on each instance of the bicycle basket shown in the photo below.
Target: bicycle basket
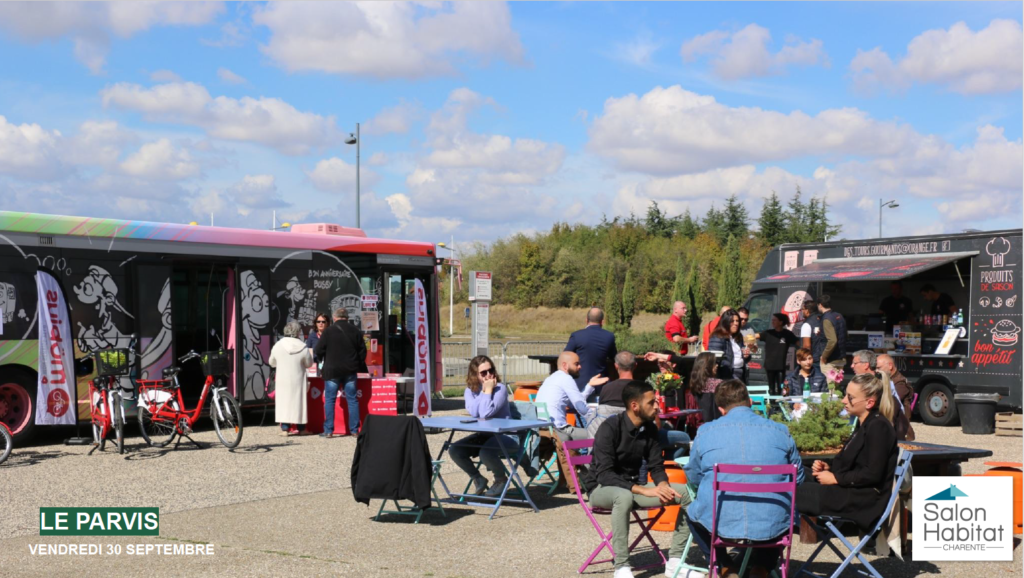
{"x": 217, "y": 362}
{"x": 113, "y": 362}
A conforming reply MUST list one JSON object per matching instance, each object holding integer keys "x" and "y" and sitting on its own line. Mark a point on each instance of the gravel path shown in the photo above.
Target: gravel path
{"x": 283, "y": 506}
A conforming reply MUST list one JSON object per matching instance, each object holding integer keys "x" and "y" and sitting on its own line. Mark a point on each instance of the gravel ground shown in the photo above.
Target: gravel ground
{"x": 283, "y": 506}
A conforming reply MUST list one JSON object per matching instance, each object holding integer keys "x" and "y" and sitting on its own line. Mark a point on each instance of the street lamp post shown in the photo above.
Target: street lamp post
{"x": 892, "y": 205}
{"x": 354, "y": 138}
{"x": 451, "y": 287}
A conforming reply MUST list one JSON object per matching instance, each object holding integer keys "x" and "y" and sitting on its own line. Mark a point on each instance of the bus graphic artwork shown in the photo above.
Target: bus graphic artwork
{"x": 99, "y": 289}
{"x": 255, "y": 316}
{"x": 156, "y": 350}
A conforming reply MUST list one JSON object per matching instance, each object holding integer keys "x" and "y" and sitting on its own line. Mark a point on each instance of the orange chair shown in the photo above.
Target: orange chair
{"x": 524, "y": 389}
{"x": 667, "y": 521}
{"x": 1015, "y": 471}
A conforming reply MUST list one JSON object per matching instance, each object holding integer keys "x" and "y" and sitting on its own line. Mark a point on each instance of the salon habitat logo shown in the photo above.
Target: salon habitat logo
{"x": 963, "y": 518}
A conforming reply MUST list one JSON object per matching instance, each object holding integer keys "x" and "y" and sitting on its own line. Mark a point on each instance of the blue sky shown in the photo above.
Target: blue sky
{"x": 484, "y": 120}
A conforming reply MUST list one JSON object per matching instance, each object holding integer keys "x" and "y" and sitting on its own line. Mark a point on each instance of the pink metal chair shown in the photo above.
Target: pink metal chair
{"x": 785, "y": 542}
{"x": 572, "y": 457}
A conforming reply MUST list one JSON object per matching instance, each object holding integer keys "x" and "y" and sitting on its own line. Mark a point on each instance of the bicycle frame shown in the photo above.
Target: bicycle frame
{"x": 97, "y": 414}
{"x": 164, "y": 411}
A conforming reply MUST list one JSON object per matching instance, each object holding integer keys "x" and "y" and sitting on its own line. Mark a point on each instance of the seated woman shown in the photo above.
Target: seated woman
{"x": 728, "y": 339}
{"x": 486, "y": 398}
{"x": 703, "y": 382}
{"x": 806, "y": 372}
{"x": 858, "y": 483}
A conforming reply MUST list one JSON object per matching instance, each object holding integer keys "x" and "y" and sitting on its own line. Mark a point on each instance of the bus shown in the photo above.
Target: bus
{"x": 977, "y": 273}
{"x": 187, "y": 287}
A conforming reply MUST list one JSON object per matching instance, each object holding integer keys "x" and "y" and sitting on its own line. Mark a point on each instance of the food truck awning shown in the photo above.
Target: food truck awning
{"x": 866, "y": 269}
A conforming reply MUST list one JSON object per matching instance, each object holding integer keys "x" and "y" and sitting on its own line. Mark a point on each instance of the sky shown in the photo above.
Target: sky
{"x": 482, "y": 120}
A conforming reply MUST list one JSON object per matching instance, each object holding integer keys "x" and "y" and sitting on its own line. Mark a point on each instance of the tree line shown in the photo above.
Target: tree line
{"x": 627, "y": 265}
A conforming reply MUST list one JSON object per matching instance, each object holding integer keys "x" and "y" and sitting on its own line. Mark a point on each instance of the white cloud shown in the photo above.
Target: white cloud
{"x": 230, "y": 77}
{"x": 386, "y": 39}
{"x": 164, "y": 76}
{"x": 98, "y": 143}
{"x": 394, "y": 119}
{"x": 256, "y": 192}
{"x": 673, "y": 131}
{"x": 268, "y": 121}
{"x": 637, "y": 51}
{"x": 160, "y": 160}
{"x": 29, "y": 151}
{"x": 990, "y": 60}
{"x": 334, "y": 175}
{"x": 745, "y": 53}
{"x": 378, "y": 159}
{"x": 91, "y": 25}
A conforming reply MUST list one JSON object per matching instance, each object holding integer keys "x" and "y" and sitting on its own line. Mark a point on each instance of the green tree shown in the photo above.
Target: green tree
{"x": 656, "y": 223}
{"x": 735, "y": 220}
{"x": 531, "y": 275}
{"x": 730, "y": 284}
{"x": 613, "y": 300}
{"x": 818, "y": 228}
{"x": 714, "y": 224}
{"x": 796, "y": 217}
{"x": 679, "y": 287}
{"x": 772, "y": 222}
{"x": 629, "y": 296}
{"x": 695, "y": 300}
{"x": 688, "y": 227}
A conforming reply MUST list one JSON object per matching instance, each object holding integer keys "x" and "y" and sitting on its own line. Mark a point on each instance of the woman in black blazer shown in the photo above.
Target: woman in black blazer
{"x": 728, "y": 340}
{"x": 858, "y": 483}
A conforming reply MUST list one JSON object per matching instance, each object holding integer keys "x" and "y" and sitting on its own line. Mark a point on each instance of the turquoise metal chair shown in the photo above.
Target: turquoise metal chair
{"x": 550, "y": 469}
{"x": 759, "y": 398}
{"x": 413, "y": 510}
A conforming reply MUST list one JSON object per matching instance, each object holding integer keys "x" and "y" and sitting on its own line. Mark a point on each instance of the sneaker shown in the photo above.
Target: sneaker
{"x": 623, "y": 572}
{"x": 673, "y": 563}
{"x": 496, "y": 488}
{"x": 326, "y": 435}
{"x": 479, "y": 485}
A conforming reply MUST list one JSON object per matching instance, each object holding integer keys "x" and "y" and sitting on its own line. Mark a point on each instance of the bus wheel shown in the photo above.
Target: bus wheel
{"x": 937, "y": 406}
{"x": 17, "y": 403}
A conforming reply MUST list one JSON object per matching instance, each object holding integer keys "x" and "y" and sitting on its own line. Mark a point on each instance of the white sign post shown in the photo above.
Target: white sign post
{"x": 480, "y": 297}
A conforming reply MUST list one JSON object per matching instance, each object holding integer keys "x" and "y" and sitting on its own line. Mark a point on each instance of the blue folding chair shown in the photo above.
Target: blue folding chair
{"x": 829, "y": 531}
{"x": 545, "y": 469}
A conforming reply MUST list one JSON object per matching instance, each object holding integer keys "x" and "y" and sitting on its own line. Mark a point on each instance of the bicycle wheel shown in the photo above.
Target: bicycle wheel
{"x": 157, "y": 432}
{"x": 8, "y": 443}
{"x": 98, "y": 437}
{"x": 228, "y": 421}
{"x": 117, "y": 419}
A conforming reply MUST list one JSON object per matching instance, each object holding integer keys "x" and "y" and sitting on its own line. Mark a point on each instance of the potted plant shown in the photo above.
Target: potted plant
{"x": 821, "y": 429}
{"x": 663, "y": 383}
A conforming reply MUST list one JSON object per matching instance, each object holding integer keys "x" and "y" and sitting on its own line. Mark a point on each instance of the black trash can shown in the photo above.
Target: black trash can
{"x": 977, "y": 412}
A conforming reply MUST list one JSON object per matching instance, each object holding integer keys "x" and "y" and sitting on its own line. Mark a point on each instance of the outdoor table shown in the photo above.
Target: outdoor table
{"x": 494, "y": 427}
{"x": 929, "y": 459}
{"x": 676, "y": 414}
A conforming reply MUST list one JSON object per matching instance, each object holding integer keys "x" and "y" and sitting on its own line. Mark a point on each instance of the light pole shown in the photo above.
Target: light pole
{"x": 892, "y": 205}
{"x": 451, "y": 287}
{"x": 353, "y": 138}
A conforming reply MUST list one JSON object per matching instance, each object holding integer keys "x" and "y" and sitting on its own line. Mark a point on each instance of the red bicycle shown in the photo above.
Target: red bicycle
{"x": 106, "y": 401}
{"x": 161, "y": 408}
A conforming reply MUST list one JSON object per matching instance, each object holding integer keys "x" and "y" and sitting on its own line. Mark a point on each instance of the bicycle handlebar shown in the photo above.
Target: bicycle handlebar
{"x": 190, "y": 355}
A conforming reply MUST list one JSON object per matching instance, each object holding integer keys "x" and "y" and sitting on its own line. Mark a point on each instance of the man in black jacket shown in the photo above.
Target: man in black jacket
{"x": 344, "y": 353}
{"x": 622, "y": 443}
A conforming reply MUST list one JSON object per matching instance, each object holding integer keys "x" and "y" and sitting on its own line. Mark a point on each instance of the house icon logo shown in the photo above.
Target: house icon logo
{"x": 949, "y": 494}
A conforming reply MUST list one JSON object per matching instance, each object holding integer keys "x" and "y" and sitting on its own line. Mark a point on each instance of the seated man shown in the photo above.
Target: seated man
{"x": 740, "y": 436}
{"x": 559, "y": 392}
{"x": 622, "y": 443}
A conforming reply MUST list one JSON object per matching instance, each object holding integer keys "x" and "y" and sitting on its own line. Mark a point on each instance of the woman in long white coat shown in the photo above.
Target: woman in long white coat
{"x": 291, "y": 357}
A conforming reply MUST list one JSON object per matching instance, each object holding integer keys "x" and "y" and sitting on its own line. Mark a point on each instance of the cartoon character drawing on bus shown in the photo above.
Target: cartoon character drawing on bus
{"x": 156, "y": 354}
{"x": 8, "y": 302}
{"x": 255, "y": 316}
{"x": 99, "y": 289}
{"x": 302, "y": 302}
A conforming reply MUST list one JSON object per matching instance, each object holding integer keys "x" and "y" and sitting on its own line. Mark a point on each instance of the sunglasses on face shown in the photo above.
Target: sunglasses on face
{"x": 488, "y": 371}
{"x": 319, "y": 321}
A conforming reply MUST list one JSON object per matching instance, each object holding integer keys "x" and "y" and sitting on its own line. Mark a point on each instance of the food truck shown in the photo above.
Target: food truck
{"x": 965, "y": 339}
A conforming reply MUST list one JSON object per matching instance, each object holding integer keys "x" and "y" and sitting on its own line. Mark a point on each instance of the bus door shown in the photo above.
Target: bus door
{"x": 400, "y": 318}
{"x": 197, "y": 317}
{"x": 155, "y": 321}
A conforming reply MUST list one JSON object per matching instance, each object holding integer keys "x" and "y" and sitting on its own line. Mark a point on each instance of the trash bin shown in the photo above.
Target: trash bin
{"x": 977, "y": 412}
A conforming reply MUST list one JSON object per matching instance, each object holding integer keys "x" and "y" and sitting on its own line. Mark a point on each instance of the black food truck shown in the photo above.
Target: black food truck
{"x": 969, "y": 282}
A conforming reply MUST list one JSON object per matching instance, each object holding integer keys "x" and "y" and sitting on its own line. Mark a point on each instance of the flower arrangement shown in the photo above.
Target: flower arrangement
{"x": 664, "y": 382}
{"x": 834, "y": 377}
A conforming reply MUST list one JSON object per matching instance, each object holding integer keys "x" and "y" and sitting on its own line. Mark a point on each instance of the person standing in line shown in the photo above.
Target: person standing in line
{"x": 710, "y": 328}
{"x": 622, "y": 445}
{"x": 675, "y": 329}
{"x": 804, "y": 329}
{"x": 344, "y": 353}
{"x": 319, "y": 326}
{"x": 727, "y": 339}
{"x": 560, "y": 393}
{"x": 290, "y": 358}
{"x": 829, "y": 344}
{"x": 777, "y": 342}
{"x": 594, "y": 345}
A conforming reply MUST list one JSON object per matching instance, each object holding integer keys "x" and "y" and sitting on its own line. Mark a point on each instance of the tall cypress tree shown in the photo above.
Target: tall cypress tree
{"x": 730, "y": 284}
{"x": 714, "y": 224}
{"x": 629, "y": 294}
{"x": 772, "y": 222}
{"x": 679, "y": 287}
{"x": 796, "y": 217}
{"x": 688, "y": 227}
{"x": 613, "y": 299}
{"x": 695, "y": 298}
{"x": 735, "y": 219}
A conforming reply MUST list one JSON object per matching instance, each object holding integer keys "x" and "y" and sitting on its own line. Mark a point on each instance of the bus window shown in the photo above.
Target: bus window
{"x": 761, "y": 308}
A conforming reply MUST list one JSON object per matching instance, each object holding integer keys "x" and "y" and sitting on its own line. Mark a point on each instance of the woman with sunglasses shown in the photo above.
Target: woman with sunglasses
{"x": 319, "y": 326}
{"x": 728, "y": 339}
{"x": 858, "y": 483}
{"x": 486, "y": 398}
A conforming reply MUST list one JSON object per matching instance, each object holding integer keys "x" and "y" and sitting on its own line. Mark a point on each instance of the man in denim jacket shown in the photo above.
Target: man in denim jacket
{"x": 743, "y": 437}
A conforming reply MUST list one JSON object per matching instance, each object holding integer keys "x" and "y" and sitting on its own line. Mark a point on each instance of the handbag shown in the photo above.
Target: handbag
{"x": 270, "y": 388}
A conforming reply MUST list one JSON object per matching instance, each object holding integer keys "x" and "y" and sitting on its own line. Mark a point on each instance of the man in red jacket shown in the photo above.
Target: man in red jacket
{"x": 675, "y": 329}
